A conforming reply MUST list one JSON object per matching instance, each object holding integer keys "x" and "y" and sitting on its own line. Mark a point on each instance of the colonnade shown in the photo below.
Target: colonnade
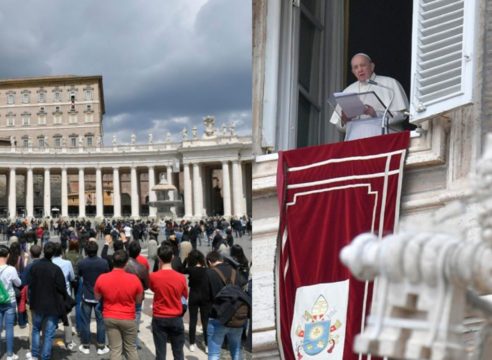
{"x": 234, "y": 200}
{"x": 234, "y": 205}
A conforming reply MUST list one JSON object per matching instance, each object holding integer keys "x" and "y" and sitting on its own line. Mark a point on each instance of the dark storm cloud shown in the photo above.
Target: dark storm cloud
{"x": 165, "y": 64}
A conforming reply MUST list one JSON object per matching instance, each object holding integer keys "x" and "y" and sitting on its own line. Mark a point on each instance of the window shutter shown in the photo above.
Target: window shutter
{"x": 443, "y": 56}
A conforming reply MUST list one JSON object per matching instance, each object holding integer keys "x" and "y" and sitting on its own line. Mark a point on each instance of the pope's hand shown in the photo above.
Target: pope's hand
{"x": 369, "y": 110}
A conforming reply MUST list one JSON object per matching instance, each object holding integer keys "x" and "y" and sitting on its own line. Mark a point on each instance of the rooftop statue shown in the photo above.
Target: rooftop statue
{"x": 210, "y": 130}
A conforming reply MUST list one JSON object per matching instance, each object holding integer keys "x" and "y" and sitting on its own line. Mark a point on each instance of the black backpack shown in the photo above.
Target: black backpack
{"x": 231, "y": 304}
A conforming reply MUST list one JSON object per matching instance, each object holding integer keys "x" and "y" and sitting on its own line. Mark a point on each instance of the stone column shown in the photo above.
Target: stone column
{"x": 197, "y": 191}
{"x": 99, "y": 194}
{"x": 29, "y": 194}
{"x": 237, "y": 188}
{"x": 226, "y": 188}
{"x": 12, "y": 195}
{"x": 64, "y": 193}
{"x": 152, "y": 194}
{"x": 81, "y": 193}
{"x": 47, "y": 193}
{"x": 188, "y": 195}
{"x": 116, "y": 193}
{"x": 134, "y": 188}
{"x": 169, "y": 171}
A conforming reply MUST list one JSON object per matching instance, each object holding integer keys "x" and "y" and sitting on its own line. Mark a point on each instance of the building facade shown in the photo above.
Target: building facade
{"x": 300, "y": 54}
{"x": 54, "y": 163}
{"x": 53, "y": 111}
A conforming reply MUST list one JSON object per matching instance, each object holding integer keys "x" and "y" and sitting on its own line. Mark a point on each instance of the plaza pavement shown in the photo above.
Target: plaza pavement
{"x": 147, "y": 351}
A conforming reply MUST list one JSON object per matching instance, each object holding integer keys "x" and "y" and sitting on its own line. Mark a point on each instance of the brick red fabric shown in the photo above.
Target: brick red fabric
{"x": 328, "y": 195}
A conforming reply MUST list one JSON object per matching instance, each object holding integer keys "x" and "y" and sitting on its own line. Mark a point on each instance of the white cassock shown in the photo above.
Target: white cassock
{"x": 366, "y": 126}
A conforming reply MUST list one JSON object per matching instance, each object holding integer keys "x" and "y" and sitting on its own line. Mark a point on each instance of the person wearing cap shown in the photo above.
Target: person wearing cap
{"x": 389, "y": 91}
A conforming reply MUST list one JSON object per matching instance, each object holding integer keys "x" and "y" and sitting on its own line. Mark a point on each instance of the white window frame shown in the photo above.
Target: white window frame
{"x": 281, "y": 84}
{"x": 58, "y": 97}
{"x": 89, "y": 118}
{"x": 88, "y": 94}
{"x": 25, "y": 142}
{"x": 57, "y": 141}
{"x": 42, "y": 97}
{"x": 41, "y": 119}
{"x": 10, "y": 99}
{"x": 72, "y": 119}
{"x": 26, "y": 99}
{"x": 41, "y": 142}
{"x": 26, "y": 120}
{"x": 73, "y": 141}
{"x": 89, "y": 140}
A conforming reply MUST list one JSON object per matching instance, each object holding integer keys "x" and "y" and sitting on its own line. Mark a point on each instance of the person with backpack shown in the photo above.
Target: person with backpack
{"x": 231, "y": 307}
{"x": 8, "y": 279}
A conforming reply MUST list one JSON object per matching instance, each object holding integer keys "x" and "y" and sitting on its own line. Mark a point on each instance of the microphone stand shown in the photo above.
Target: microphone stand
{"x": 384, "y": 121}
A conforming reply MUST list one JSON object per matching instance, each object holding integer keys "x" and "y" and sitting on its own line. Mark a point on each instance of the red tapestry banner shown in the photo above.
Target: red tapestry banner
{"x": 328, "y": 195}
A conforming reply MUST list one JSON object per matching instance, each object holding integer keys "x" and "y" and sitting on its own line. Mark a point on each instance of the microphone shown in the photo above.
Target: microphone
{"x": 384, "y": 122}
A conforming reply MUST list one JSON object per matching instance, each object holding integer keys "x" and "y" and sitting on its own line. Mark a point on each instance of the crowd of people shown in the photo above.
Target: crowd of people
{"x": 50, "y": 283}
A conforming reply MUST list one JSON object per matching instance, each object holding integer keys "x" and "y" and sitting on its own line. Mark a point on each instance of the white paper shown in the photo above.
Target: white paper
{"x": 350, "y": 103}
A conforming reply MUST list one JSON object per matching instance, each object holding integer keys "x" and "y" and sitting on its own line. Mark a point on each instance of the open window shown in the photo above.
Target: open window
{"x": 427, "y": 45}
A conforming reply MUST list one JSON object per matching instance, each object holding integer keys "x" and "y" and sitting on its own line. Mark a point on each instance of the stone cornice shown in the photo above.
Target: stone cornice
{"x": 63, "y": 80}
{"x": 107, "y": 158}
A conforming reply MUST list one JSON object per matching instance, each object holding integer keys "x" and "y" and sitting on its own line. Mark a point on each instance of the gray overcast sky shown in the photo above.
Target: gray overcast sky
{"x": 165, "y": 63}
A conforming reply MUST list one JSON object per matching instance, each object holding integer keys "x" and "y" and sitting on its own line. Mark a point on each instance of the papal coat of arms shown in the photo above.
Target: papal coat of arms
{"x": 317, "y": 332}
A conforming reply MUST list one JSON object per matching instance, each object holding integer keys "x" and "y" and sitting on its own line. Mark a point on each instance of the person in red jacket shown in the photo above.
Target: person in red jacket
{"x": 169, "y": 289}
{"x": 120, "y": 292}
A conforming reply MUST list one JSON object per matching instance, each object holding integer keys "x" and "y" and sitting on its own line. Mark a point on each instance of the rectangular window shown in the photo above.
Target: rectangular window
{"x": 25, "y": 98}
{"x": 57, "y": 119}
{"x": 42, "y": 97}
{"x": 57, "y": 96}
{"x": 25, "y": 142}
{"x": 88, "y": 95}
{"x": 42, "y": 120}
{"x": 72, "y": 119}
{"x": 89, "y": 140}
{"x": 41, "y": 142}
{"x": 10, "y": 121}
{"x": 58, "y": 142}
{"x": 10, "y": 99}
{"x": 88, "y": 118}
{"x": 26, "y": 120}
{"x": 73, "y": 141}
